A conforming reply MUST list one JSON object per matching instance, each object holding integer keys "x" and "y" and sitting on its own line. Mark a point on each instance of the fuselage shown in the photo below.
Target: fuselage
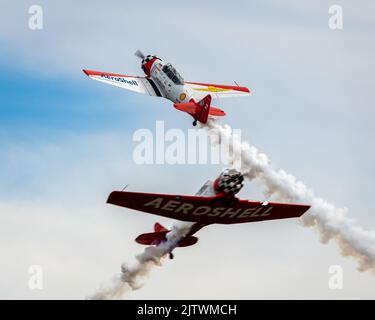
{"x": 163, "y": 80}
{"x": 225, "y": 187}
{"x": 169, "y": 83}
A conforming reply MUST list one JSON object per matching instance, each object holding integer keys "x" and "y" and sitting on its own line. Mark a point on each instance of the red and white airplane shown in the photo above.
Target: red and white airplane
{"x": 214, "y": 203}
{"x": 162, "y": 80}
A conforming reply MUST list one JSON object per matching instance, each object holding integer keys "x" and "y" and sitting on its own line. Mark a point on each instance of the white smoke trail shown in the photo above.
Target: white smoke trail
{"x": 130, "y": 278}
{"x": 331, "y": 222}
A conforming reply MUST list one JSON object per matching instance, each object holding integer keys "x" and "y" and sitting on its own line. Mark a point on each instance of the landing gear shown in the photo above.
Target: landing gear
{"x": 171, "y": 255}
{"x": 194, "y": 123}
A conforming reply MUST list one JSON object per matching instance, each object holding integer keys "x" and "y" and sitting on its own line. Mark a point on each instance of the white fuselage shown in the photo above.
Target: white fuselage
{"x": 169, "y": 82}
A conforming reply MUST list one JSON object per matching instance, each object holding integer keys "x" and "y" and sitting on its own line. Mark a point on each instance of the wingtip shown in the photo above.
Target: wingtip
{"x": 110, "y": 197}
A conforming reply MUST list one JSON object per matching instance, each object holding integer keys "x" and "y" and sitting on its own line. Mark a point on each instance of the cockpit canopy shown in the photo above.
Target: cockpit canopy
{"x": 173, "y": 74}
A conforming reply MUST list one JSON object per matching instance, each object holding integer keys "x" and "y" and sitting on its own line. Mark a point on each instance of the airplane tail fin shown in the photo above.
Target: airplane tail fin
{"x": 159, "y": 228}
{"x": 200, "y": 110}
{"x": 204, "y": 105}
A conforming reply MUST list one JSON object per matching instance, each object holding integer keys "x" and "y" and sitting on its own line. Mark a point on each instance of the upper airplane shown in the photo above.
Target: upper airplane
{"x": 162, "y": 80}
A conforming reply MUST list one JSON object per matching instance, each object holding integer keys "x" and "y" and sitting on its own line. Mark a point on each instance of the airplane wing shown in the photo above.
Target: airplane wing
{"x": 200, "y": 90}
{"x": 206, "y": 210}
{"x": 132, "y": 83}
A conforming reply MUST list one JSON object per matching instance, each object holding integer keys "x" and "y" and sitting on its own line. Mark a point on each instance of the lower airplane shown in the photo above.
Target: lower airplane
{"x": 215, "y": 202}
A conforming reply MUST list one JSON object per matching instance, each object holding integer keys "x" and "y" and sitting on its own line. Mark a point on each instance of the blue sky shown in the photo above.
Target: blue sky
{"x": 66, "y": 141}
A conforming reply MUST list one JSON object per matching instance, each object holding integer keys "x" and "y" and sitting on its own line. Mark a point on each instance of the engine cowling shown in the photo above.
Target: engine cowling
{"x": 229, "y": 183}
{"x": 147, "y": 63}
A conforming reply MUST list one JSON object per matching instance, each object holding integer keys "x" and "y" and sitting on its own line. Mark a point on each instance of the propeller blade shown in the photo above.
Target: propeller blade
{"x": 139, "y": 54}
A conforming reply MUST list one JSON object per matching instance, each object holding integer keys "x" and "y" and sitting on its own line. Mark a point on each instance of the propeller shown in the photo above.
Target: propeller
{"x": 139, "y": 54}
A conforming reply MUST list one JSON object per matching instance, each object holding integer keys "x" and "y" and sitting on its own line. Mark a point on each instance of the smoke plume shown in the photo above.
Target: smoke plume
{"x": 332, "y": 222}
{"x": 131, "y": 277}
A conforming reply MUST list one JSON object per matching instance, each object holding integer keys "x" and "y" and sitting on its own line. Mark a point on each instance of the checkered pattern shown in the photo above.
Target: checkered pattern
{"x": 230, "y": 181}
{"x": 147, "y": 59}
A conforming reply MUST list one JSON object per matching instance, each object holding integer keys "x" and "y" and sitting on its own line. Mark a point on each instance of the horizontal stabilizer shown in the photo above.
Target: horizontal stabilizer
{"x": 201, "y": 110}
{"x": 152, "y": 238}
{"x": 216, "y": 112}
{"x": 189, "y": 241}
{"x": 156, "y": 238}
{"x": 189, "y": 107}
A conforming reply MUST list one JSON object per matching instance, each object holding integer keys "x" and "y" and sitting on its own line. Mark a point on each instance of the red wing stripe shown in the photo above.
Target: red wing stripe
{"x": 222, "y": 86}
{"x": 99, "y": 73}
